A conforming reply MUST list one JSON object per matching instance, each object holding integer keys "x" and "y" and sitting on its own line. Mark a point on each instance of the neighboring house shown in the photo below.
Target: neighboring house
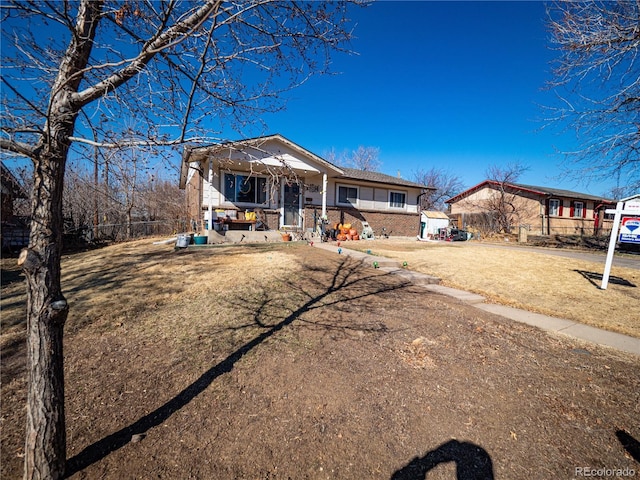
{"x": 293, "y": 189}
{"x": 543, "y": 210}
{"x": 15, "y": 232}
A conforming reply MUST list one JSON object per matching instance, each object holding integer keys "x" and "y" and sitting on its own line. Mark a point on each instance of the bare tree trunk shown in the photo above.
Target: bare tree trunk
{"x": 47, "y": 309}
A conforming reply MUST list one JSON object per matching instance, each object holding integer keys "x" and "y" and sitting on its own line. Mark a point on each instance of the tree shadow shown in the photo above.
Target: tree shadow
{"x": 472, "y": 462}
{"x": 330, "y": 286}
{"x": 594, "y": 277}
{"x": 630, "y": 444}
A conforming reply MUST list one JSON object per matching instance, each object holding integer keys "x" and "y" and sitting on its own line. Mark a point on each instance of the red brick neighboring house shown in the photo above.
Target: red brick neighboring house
{"x": 543, "y": 210}
{"x": 293, "y": 188}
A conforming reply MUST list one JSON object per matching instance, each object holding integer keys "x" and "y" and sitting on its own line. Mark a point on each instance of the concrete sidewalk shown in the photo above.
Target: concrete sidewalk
{"x": 598, "y": 336}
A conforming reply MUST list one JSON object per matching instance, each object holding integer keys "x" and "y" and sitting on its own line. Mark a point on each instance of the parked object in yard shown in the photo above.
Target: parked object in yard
{"x": 458, "y": 235}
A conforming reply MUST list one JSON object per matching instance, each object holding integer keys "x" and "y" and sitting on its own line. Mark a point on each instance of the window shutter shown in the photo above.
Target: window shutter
{"x": 560, "y": 208}
{"x": 572, "y": 211}
{"x": 584, "y": 210}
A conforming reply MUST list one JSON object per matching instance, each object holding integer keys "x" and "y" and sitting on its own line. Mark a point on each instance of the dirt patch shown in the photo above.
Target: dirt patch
{"x": 286, "y": 361}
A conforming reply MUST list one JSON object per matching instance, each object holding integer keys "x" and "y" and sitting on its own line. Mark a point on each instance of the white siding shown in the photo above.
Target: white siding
{"x": 381, "y": 199}
{"x": 210, "y": 194}
{"x": 366, "y": 198}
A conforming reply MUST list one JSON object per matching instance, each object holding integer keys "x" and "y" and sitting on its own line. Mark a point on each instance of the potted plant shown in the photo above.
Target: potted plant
{"x": 286, "y": 236}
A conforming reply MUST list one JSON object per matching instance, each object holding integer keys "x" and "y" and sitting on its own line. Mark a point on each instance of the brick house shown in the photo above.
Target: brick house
{"x": 543, "y": 210}
{"x": 292, "y": 188}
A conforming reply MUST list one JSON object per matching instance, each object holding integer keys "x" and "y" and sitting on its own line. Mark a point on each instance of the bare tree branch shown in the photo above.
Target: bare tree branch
{"x": 444, "y": 184}
{"x": 109, "y": 74}
{"x": 596, "y": 78}
{"x": 164, "y": 40}
{"x": 363, "y": 158}
{"x": 17, "y": 147}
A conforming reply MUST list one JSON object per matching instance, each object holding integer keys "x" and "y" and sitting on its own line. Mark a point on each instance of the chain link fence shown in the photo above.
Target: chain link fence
{"x": 117, "y": 232}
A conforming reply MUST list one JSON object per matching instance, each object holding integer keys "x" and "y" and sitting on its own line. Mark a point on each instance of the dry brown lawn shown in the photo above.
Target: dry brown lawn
{"x": 136, "y": 276}
{"x": 552, "y": 285}
{"x": 283, "y": 361}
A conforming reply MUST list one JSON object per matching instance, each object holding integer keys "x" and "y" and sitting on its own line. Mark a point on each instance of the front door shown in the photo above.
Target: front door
{"x": 291, "y": 205}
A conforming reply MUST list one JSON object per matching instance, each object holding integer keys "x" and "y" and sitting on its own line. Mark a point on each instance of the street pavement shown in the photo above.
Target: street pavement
{"x": 619, "y": 260}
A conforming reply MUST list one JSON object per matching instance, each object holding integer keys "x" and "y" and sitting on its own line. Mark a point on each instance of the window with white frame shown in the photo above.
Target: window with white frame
{"x": 248, "y": 189}
{"x": 347, "y": 195}
{"x": 554, "y": 207}
{"x": 397, "y": 199}
{"x": 578, "y": 209}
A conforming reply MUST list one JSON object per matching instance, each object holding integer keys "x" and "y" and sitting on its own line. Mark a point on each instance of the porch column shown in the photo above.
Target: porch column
{"x": 324, "y": 195}
{"x": 210, "y": 221}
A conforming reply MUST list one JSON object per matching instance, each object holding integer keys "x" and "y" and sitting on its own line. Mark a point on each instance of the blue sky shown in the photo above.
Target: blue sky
{"x": 452, "y": 85}
{"x": 455, "y": 85}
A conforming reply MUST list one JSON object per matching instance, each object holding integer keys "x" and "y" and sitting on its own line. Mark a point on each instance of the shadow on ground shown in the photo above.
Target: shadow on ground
{"x": 630, "y": 444}
{"x": 330, "y": 286}
{"x": 472, "y": 462}
{"x": 596, "y": 279}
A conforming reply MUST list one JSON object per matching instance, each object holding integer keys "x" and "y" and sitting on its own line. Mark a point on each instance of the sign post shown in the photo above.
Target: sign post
{"x": 612, "y": 244}
{"x": 630, "y": 232}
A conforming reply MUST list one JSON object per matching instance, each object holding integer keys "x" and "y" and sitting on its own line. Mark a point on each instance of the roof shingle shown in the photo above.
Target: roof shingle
{"x": 355, "y": 174}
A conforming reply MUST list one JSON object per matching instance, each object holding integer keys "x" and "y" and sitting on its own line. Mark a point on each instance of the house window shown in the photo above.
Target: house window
{"x": 347, "y": 195}
{"x": 245, "y": 189}
{"x": 397, "y": 199}
{"x": 578, "y": 210}
{"x": 554, "y": 207}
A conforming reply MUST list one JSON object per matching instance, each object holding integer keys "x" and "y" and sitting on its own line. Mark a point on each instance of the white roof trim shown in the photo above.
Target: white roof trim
{"x": 285, "y": 160}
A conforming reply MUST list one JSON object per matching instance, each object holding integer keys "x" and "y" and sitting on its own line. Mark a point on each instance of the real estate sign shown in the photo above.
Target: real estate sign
{"x": 630, "y": 230}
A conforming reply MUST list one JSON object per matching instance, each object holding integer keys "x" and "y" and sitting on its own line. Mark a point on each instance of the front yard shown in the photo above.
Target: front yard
{"x": 285, "y": 361}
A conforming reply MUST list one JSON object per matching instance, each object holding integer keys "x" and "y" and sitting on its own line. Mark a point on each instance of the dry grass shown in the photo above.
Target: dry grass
{"x": 561, "y": 287}
{"x": 114, "y": 286}
{"x": 286, "y": 361}
{"x": 138, "y": 276}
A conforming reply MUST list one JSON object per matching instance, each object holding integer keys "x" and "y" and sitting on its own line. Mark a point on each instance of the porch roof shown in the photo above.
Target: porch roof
{"x": 258, "y": 155}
